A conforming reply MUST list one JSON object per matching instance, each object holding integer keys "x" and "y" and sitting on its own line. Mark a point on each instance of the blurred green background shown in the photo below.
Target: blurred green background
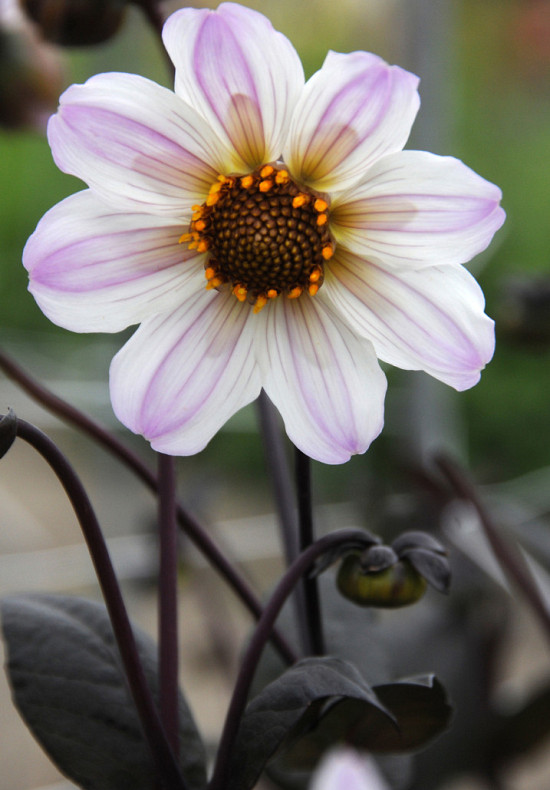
{"x": 485, "y": 69}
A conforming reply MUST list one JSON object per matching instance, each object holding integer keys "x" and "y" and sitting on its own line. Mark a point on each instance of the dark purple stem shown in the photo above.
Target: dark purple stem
{"x": 168, "y": 600}
{"x": 283, "y": 492}
{"x": 162, "y": 754}
{"x": 260, "y": 637}
{"x": 202, "y": 540}
{"x": 314, "y": 633}
{"x": 506, "y": 552}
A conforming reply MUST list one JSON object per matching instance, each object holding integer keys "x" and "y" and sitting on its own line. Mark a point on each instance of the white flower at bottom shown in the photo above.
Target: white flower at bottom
{"x": 325, "y": 246}
{"x": 346, "y": 769}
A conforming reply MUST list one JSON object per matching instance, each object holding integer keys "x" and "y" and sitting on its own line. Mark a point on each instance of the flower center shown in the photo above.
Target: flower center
{"x": 265, "y": 236}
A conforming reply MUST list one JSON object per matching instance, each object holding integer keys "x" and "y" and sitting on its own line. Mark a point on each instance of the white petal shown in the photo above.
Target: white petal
{"x": 418, "y": 209}
{"x": 239, "y": 73}
{"x": 354, "y": 110}
{"x": 93, "y": 269}
{"x": 345, "y": 769}
{"x": 325, "y": 381}
{"x": 181, "y": 376}
{"x": 136, "y": 144}
{"x": 428, "y": 319}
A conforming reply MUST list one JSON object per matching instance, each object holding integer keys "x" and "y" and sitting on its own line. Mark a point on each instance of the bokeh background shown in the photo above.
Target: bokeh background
{"x": 485, "y": 89}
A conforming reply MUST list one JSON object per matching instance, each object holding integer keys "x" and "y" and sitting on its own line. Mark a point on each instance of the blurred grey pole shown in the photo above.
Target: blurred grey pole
{"x": 429, "y": 410}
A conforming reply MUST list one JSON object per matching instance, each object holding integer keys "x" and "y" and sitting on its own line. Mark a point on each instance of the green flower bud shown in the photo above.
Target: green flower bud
{"x": 397, "y": 585}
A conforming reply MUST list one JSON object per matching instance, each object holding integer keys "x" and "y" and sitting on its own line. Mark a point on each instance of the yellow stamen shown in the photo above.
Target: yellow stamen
{"x": 313, "y": 288}
{"x": 282, "y": 177}
{"x": 322, "y": 219}
{"x": 185, "y": 237}
{"x": 199, "y": 225}
{"x": 320, "y": 205}
{"x": 266, "y": 185}
{"x": 209, "y": 273}
{"x": 247, "y": 181}
{"x": 315, "y": 275}
{"x": 300, "y": 200}
{"x": 240, "y": 292}
{"x": 295, "y": 293}
{"x": 202, "y": 246}
{"x": 266, "y": 171}
{"x": 212, "y": 199}
{"x": 272, "y": 293}
{"x": 261, "y": 302}
{"x": 213, "y": 283}
{"x": 327, "y": 252}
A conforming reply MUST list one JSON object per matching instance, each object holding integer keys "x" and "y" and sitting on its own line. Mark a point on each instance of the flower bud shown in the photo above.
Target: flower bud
{"x": 31, "y": 73}
{"x": 74, "y": 23}
{"x": 396, "y": 575}
{"x": 398, "y": 585}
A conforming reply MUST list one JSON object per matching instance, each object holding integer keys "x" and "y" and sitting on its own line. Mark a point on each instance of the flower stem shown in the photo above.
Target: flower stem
{"x": 168, "y": 600}
{"x": 283, "y": 590}
{"x": 202, "y": 540}
{"x": 507, "y": 553}
{"x": 162, "y": 754}
{"x": 314, "y": 632}
{"x": 279, "y": 472}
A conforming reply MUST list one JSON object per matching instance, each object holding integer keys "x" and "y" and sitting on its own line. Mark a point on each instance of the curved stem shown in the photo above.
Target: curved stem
{"x": 197, "y": 534}
{"x": 162, "y": 754}
{"x": 314, "y": 623}
{"x": 507, "y": 553}
{"x": 168, "y": 600}
{"x": 284, "y": 588}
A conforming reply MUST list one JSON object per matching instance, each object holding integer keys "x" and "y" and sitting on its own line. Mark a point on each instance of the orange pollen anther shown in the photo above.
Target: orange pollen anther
{"x": 266, "y": 185}
{"x": 240, "y": 292}
{"x": 261, "y": 302}
{"x": 247, "y": 182}
{"x": 282, "y": 177}
{"x": 300, "y": 200}
{"x": 272, "y": 293}
{"x": 322, "y": 219}
{"x": 295, "y": 293}
{"x": 313, "y": 288}
{"x": 315, "y": 275}
{"x": 328, "y": 252}
{"x": 209, "y": 273}
{"x": 202, "y": 246}
{"x": 320, "y": 205}
{"x": 266, "y": 171}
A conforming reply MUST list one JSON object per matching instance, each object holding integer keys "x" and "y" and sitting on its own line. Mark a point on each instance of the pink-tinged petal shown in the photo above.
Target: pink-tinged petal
{"x": 181, "y": 376}
{"x": 346, "y": 769}
{"x": 325, "y": 381}
{"x": 136, "y": 144}
{"x": 418, "y": 209}
{"x": 93, "y": 269}
{"x": 239, "y": 73}
{"x": 427, "y": 319}
{"x": 353, "y": 111}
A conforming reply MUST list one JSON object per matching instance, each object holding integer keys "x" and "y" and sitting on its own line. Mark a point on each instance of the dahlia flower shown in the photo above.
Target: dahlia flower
{"x": 265, "y": 232}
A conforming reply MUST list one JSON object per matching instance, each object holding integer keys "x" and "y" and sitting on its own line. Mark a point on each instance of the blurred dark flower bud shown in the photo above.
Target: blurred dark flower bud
{"x": 524, "y": 315}
{"x": 76, "y": 23}
{"x": 396, "y": 575}
{"x": 31, "y": 75}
